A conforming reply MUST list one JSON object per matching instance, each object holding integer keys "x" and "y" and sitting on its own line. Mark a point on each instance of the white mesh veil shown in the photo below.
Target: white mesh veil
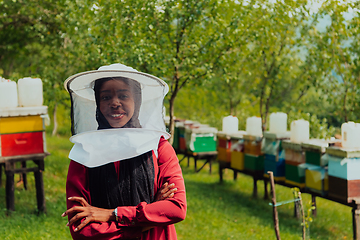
{"x": 97, "y": 147}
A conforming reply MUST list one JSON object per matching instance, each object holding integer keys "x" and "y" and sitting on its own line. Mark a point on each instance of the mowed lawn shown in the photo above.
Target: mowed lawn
{"x": 215, "y": 210}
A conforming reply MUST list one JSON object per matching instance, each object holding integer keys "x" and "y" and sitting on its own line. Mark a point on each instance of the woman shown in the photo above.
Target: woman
{"x": 141, "y": 196}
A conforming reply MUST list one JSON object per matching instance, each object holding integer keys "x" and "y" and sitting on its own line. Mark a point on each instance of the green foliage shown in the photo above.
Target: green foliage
{"x": 256, "y": 56}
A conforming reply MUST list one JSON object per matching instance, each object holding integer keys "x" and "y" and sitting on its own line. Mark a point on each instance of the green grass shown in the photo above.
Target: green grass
{"x": 215, "y": 210}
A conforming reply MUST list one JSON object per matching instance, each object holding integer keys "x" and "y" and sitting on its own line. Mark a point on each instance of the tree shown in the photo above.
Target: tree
{"x": 174, "y": 40}
{"x": 22, "y": 24}
{"x": 282, "y": 71}
{"x": 339, "y": 50}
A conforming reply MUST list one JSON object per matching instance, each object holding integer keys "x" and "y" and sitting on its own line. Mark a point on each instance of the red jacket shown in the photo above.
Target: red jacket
{"x": 161, "y": 215}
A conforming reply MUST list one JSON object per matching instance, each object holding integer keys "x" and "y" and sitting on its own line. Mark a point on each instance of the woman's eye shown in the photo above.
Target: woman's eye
{"x": 123, "y": 96}
{"x": 105, "y": 98}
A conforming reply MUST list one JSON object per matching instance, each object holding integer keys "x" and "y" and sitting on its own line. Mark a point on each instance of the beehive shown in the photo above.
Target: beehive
{"x": 317, "y": 179}
{"x": 314, "y": 149}
{"x": 293, "y": 152}
{"x": 223, "y": 147}
{"x": 201, "y": 139}
{"x": 274, "y": 156}
{"x": 237, "y": 150}
{"x": 343, "y": 170}
{"x": 20, "y": 133}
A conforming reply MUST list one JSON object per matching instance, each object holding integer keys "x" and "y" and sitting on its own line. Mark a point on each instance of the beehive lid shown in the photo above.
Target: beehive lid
{"x": 284, "y": 135}
{"x": 222, "y": 134}
{"x": 238, "y": 135}
{"x": 343, "y": 152}
{"x": 253, "y": 138}
{"x": 317, "y": 144}
{"x": 234, "y": 135}
{"x": 287, "y": 144}
{"x": 204, "y": 130}
{"x": 23, "y": 111}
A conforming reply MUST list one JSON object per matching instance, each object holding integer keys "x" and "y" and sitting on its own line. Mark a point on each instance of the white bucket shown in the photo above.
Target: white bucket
{"x": 278, "y": 122}
{"x": 299, "y": 131}
{"x": 350, "y": 135}
{"x": 230, "y": 124}
{"x": 30, "y": 92}
{"x": 253, "y": 126}
{"x": 8, "y": 94}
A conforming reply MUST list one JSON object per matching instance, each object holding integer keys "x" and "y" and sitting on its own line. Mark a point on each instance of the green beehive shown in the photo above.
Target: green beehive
{"x": 314, "y": 149}
{"x": 295, "y": 173}
{"x": 201, "y": 139}
{"x": 254, "y": 163}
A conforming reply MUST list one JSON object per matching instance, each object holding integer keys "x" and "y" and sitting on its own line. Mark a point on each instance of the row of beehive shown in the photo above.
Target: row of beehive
{"x": 304, "y": 165}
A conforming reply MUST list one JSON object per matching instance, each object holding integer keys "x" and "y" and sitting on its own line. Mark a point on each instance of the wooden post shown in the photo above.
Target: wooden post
{"x": 266, "y": 193}
{"x": 235, "y": 175}
{"x": 356, "y": 219}
{"x": 24, "y": 178}
{"x": 10, "y": 195}
{"x": 40, "y": 195}
{"x": 255, "y": 187}
{"x": 273, "y": 200}
{"x": 313, "y": 203}
{"x": 211, "y": 158}
{"x": 220, "y": 172}
{"x": 303, "y": 216}
{"x": 195, "y": 163}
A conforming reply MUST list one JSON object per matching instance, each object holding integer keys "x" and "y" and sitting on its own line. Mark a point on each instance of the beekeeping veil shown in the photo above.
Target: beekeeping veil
{"x": 93, "y": 147}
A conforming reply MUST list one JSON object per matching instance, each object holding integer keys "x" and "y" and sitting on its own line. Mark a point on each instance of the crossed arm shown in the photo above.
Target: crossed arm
{"x": 94, "y": 214}
{"x": 86, "y": 221}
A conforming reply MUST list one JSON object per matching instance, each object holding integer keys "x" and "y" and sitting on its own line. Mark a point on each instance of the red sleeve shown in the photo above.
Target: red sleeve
{"x": 76, "y": 185}
{"x": 164, "y": 212}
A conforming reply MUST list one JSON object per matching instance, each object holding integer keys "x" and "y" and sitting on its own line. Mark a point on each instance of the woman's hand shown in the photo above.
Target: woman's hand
{"x": 90, "y": 213}
{"x": 166, "y": 191}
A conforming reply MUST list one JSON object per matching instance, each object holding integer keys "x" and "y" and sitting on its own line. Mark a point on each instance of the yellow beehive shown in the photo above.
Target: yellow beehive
{"x": 237, "y": 160}
{"x": 317, "y": 179}
{"x": 21, "y": 124}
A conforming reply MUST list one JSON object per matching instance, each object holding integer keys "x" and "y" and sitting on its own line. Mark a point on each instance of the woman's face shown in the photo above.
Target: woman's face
{"x": 116, "y": 102}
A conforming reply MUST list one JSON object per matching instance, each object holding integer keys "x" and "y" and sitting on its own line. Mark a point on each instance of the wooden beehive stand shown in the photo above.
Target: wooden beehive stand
{"x": 22, "y": 139}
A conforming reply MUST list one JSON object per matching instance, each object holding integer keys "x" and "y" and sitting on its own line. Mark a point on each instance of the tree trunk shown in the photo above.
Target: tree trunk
{"x": 54, "y": 131}
{"x": 172, "y": 122}
{"x": 344, "y": 104}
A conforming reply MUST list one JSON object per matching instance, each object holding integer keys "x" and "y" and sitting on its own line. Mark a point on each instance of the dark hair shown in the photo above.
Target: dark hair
{"x": 135, "y": 88}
